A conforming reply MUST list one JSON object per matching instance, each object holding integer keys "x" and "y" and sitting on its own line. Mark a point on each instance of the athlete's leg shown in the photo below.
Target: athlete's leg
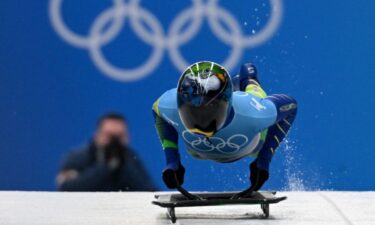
{"x": 247, "y": 81}
{"x": 248, "y": 71}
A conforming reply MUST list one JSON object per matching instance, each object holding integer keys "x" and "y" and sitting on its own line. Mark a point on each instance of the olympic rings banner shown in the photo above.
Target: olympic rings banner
{"x": 66, "y": 62}
{"x": 163, "y": 41}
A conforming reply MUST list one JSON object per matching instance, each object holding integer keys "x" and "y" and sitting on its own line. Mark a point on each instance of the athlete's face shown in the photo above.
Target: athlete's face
{"x": 110, "y": 128}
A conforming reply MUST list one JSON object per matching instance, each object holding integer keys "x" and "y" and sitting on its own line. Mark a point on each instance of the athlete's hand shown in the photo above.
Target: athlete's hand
{"x": 257, "y": 176}
{"x": 173, "y": 175}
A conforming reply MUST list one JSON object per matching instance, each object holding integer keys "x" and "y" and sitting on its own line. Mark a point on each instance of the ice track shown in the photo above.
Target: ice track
{"x": 303, "y": 208}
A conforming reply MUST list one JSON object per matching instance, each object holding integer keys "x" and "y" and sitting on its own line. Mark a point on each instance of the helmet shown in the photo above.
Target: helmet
{"x": 204, "y": 96}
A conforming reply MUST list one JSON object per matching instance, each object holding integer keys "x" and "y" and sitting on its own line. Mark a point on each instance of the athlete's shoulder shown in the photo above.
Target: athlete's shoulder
{"x": 252, "y": 105}
{"x": 167, "y": 101}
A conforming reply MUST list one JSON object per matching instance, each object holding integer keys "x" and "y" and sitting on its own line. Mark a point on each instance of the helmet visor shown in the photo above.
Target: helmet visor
{"x": 207, "y": 117}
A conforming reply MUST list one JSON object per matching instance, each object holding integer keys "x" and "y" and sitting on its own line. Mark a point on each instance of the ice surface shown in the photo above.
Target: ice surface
{"x": 305, "y": 208}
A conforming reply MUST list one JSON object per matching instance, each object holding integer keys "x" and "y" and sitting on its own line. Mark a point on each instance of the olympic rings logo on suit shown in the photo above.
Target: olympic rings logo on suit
{"x": 232, "y": 145}
{"x": 157, "y": 38}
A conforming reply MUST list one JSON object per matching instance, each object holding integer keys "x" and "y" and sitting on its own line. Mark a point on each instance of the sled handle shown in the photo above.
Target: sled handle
{"x": 244, "y": 193}
{"x": 187, "y": 194}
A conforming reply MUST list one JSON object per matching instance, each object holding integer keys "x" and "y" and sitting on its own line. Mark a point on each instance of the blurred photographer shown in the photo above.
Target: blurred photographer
{"x": 105, "y": 164}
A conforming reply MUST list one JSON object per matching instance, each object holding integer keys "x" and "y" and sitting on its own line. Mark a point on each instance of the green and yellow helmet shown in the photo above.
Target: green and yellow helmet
{"x": 204, "y": 96}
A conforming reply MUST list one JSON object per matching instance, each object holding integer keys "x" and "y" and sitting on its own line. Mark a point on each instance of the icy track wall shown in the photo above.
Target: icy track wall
{"x": 65, "y": 62}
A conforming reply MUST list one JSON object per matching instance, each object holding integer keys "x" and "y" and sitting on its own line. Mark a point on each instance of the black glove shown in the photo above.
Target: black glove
{"x": 173, "y": 175}
{"x": 114, "y": 153}
{"x": 257, "y": 176}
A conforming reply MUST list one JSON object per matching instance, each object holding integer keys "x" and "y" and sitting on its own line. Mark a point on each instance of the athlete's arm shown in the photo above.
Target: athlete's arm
{"x": 174, "y": 172}
{"x": 286, "y": 108}
{"x": 168, "y": 137}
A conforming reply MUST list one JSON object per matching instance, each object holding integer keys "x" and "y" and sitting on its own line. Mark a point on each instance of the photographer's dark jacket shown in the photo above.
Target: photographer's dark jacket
{"x": 95, "y": 175}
